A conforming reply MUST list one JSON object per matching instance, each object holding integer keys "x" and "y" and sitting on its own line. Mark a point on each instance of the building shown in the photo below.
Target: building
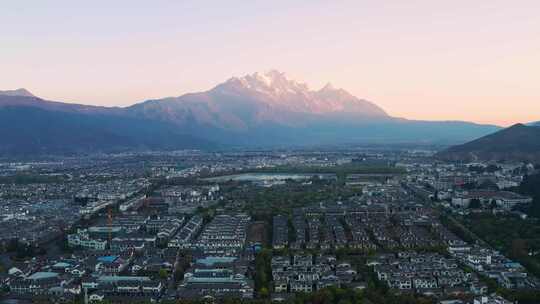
{"x": 503, "y": 199}
{"x": 82, "y": 239}
{"x": 280, "y": 232}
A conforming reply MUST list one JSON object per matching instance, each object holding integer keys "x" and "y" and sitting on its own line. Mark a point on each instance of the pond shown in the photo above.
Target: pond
{"x": 262, "y": 177}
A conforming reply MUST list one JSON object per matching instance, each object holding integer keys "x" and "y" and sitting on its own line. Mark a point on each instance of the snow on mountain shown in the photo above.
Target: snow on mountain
{"x": 260, "y": 98}
{"x": 17, "y": 92}
{"x": 274, "y": 89}
{"x": 260, "y": 109}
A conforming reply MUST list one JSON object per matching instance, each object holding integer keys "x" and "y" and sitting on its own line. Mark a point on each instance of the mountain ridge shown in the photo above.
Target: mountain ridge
{"x": 243, "y": 102}
{"x": 518, "y": 142}
{"x": 259, "y": 109}
{"x": 17, "y": 92}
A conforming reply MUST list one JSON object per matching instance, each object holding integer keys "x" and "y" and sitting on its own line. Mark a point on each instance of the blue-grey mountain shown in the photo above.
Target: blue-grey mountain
{"x": 262, "y": 110}
{"x": 269, "y": 109}
{"x": 516, "y": 143}
{"x": 29, "y": 125}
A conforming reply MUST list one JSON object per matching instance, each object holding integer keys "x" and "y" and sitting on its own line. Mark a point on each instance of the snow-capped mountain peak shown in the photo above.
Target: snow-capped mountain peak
{"x": 328, "y": 87}
{"x": 243, "y": 102}
{"x": 274, "y": 89}
{"x": 272, "y": 83}
{"x": 18, "y": 92}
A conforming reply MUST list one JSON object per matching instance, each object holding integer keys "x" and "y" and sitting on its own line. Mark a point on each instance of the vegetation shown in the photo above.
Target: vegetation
{"x": 263, "y": 272}
{"x": 184, "y": 262}
{"x": 531, "y": 186}
{"x": 475, "y": 204}
{"x": 522, "y": 296}
{"x": 518, "y": 239}
{"x": 23, "y": 250}
{"x": 163, "y": 274}
{"x": 262, "y": 203}
{"x": 516, "y": 143}
{"x": 62, "y": 244}
{"x": 27, "y": 178}
{"x": 457, "y": 228}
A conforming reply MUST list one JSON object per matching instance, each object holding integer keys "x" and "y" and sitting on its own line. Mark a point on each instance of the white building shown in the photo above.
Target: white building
{"x": 82, "y": 239}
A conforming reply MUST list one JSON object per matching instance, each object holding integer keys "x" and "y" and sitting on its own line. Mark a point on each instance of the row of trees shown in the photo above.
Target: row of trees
{"x": 23, "y": 250}
{"x": 531, "y": 186}
{"x": 263, "y": 272}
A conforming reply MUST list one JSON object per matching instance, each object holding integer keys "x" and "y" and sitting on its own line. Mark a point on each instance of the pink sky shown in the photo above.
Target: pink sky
{"x": 439, "y": 60}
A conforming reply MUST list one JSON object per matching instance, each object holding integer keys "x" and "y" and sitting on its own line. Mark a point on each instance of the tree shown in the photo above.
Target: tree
{"x": 64, "y": 246}
{"x": 263, "y": 292}
{"x": 435, "y": 197}
{"x": 519, "y": 248}
{"x": 12, "y": 245}
{"x": 475, "y": 204}
{"x": 163, "y": 274}
{"x": 469, "y": 186}
{"x": 531, "y": 186}
{"x": 263, "y": 272}
{"x": 492, "y": 168}
{"x": 184, "y": 262}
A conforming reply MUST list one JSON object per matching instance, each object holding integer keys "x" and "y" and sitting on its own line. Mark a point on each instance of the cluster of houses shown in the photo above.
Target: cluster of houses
{"x": 136, "y": 257}
{"x": 36, "y": 213}
{"x": 128, "y": 232}
{"x": 426, "y": 273}
{"x": 186, "y": 199}
{"x": 224, "y": 235}
{"x": 128, "y": 275}
{"x": 113, "y": 190}
{"x": 399, "y": 228}
{"x": 220, "y": 268}
{"x": 94, "y": 275}
{"x": 486, "y": 184}
{"x": 369, "y": 226}
{"x": 122, "y": 259}
{"x": 121, "y": 287}
{"x": 118, "y": 260}
{"x": 494, "y": 265}
{"x": 186, "y": 236}
{"x": 445, "y": 177}
{"x": 82, "y": 239}
{"x": 501, "y": 199}
{"x": 307, "y": 273}
{"x": 488, "y": 262}
{"x": 484, "y": 299}
{"x": 217, "y": 277}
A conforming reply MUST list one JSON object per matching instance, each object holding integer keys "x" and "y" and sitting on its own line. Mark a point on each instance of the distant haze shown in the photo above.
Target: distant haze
{"x": 433, "y": 60}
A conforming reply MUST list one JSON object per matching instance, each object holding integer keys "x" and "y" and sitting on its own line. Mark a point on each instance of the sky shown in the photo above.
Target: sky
{"x": 419, "y": 59}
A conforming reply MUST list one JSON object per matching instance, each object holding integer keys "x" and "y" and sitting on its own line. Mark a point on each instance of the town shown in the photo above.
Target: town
{"x": 358, "y": 225}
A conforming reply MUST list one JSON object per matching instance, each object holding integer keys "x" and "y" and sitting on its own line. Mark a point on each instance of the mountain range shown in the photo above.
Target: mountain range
{"x": 517, "y": 143}
{"x": 257, "y": 110}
